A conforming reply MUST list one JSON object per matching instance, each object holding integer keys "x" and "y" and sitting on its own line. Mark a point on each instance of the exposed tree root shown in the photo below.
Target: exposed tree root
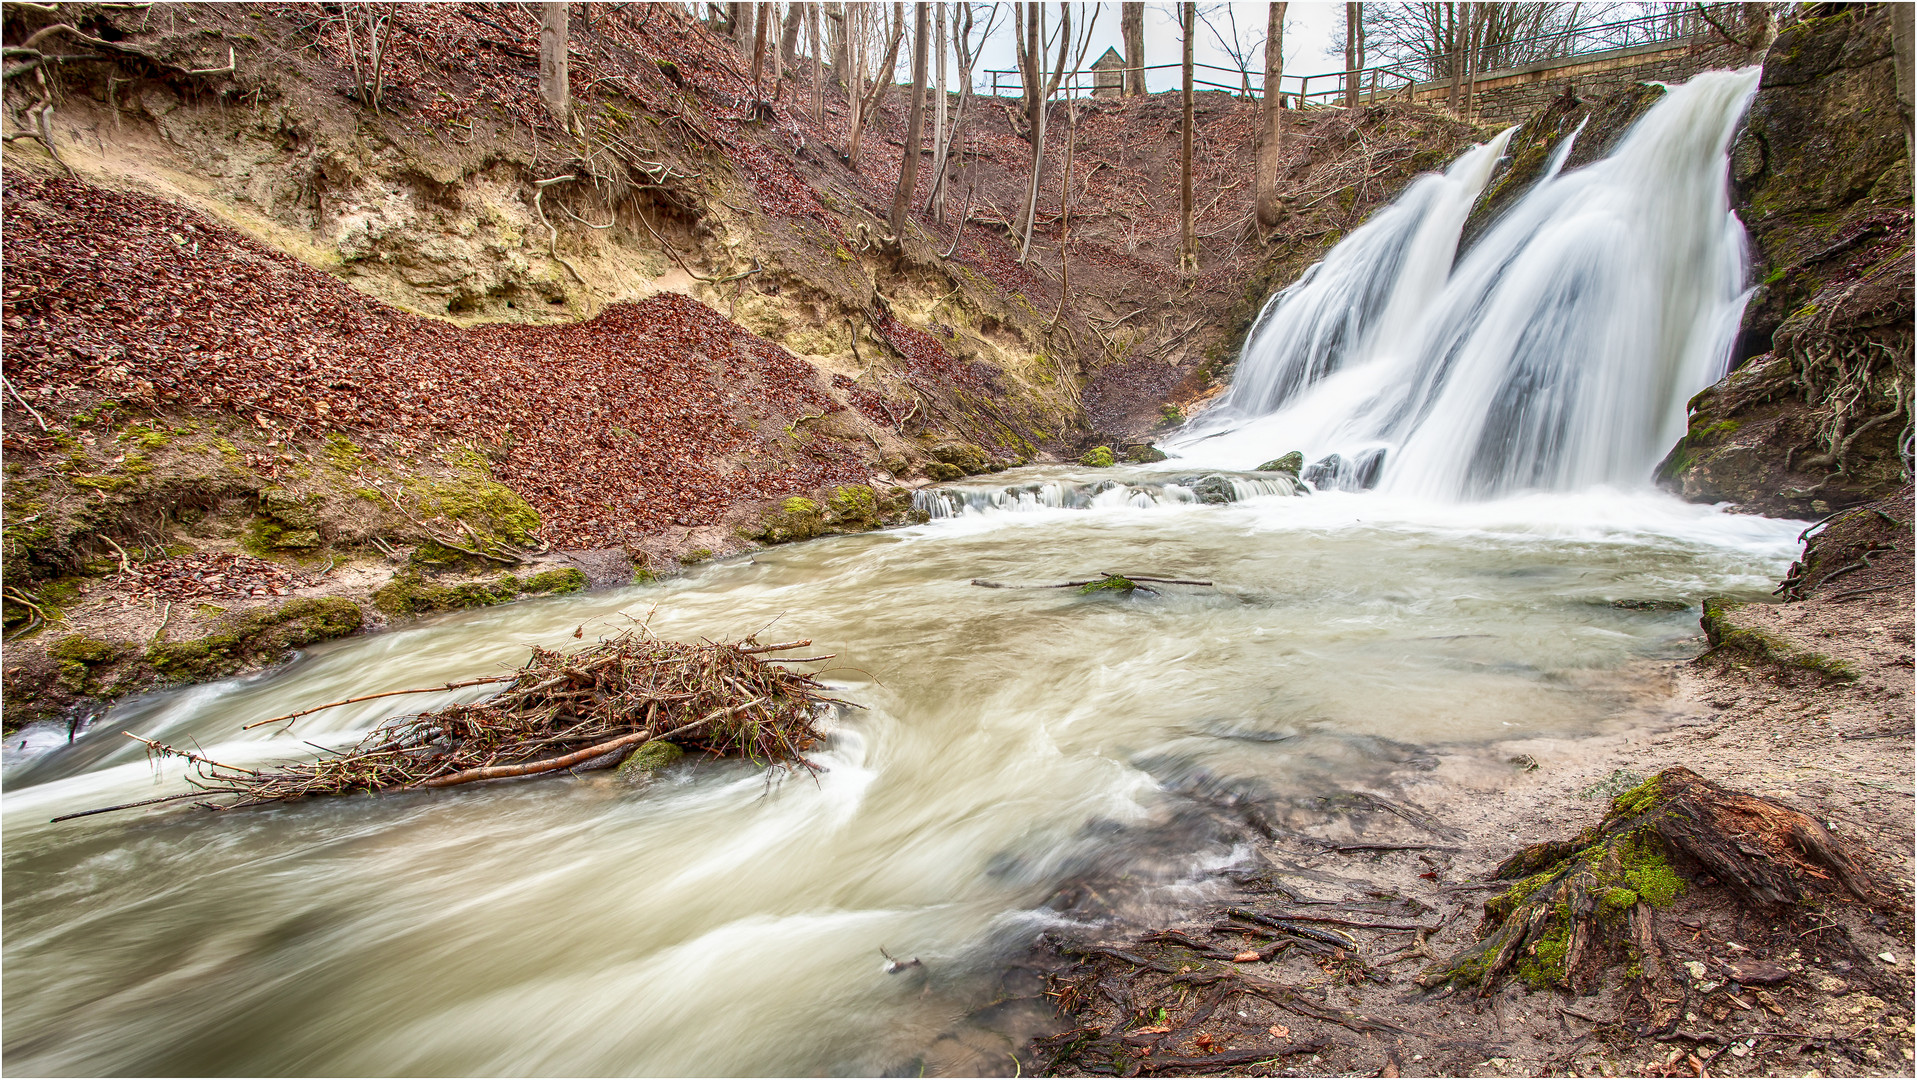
{"x": 1586, "y": 904}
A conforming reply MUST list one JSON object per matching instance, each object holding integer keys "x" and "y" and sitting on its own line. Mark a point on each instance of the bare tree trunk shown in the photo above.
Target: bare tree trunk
{"x": 1272, "y": 146}
{"x": 1132, "y": 29}
{"x": 552, "y": 61}
{"x": 856, "y": 16}
{"x": 1358, "y": 31}
{"x": 1457, "y": 54}
{"x": 838, "y": 32}
{"x": 1475, "y": 15}
{"x": 818, "y": 62}
{"x": 1065, "y": 211}
{"x": 1039, "y": 87}
{"x": 758, "y": 56}
{"x": 967, "y": 57}
{"x": 914, "y": 125}
{"x": 1351, "y": 56}
{"x": 937, "y": 199}
{"x": 863, "y": 104}
{"x": 1187, "y": 232}
{"x": 789, "y": 34}
{"x": 775, "y": 56}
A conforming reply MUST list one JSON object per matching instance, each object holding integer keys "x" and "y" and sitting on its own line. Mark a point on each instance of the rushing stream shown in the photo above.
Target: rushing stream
{"x": 1016, "y": 743}
{"x": 1024, "y": 760}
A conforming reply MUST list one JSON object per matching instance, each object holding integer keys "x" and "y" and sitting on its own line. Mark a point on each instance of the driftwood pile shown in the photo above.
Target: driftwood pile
{"x": 560, "y": 711}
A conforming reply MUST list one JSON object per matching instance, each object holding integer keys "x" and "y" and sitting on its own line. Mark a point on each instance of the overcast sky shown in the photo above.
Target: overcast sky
{"x": 1309, "y": 33}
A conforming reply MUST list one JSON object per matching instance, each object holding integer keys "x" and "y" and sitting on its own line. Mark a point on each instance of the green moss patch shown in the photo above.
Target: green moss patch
{"x": 1727, "y": 634}
{"x": 412, "y": 593}
{"x": 258, "y": 636}
{"x": 794, "y": 519}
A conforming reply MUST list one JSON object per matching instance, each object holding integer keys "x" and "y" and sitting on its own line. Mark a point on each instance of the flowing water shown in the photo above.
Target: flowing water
{"x": 1556, "y": 353}
{"x": 1017, "y": 746}
{"x": 1026, "y": 759}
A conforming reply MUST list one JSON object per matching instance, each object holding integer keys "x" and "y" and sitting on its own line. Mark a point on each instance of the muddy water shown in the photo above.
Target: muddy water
{"x": 1021, "y": 752}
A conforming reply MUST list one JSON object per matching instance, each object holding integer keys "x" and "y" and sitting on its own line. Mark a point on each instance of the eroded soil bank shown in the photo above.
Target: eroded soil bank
{"x": 1807, "y": 703}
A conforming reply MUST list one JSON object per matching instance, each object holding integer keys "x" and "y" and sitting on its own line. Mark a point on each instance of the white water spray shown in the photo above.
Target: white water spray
{"x": 1557, "y": 354}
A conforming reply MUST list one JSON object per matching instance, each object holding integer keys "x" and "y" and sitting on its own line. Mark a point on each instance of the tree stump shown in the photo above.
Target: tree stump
{"x": 1584, "y": 905}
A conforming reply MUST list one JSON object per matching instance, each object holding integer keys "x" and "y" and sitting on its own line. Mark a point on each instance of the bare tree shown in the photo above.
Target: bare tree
{"x": 1034, "y": 45}
{"x": 1132, "y": 29}
{"x": 758, "y": 56}
{"x": 1354, "y": 51}
{"x": 1222, "y": 22}
{"x": 1187, "y": 233}
{"x": 739, "y": 24}
{"x": 838, "y": 27}
{"x": 553, "y": 76}
{"x": 375, "y": 21}
{"x": 1065, "y": 184}
{"x": 1271, "y": 145}
{"x": 1433, "y": 38}
{"x": 967, "y": 49}
{"x": 862, "y": 29}
{"x": 914, "y": 126}
{"x": 818, "y": 62}
{"x": 940, "y": 16}
{"x": 789, "y": 34}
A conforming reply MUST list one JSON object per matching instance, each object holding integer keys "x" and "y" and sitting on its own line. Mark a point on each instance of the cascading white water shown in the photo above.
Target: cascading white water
{"x": 1556, "y": 354}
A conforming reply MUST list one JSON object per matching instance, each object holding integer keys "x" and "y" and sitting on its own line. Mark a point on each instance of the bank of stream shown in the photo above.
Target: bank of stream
{"x": 1025, "y": 762}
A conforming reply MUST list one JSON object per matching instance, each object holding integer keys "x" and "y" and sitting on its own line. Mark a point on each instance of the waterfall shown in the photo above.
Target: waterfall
{"x": 1556, "y": 354}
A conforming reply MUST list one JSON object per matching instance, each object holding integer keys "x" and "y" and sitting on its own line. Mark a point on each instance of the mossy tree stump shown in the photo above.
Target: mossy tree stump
{"x": 1583, "y": 905}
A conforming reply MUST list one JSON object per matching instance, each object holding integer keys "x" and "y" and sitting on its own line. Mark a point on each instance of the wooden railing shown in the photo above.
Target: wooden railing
{"x": 1680, "y": 26}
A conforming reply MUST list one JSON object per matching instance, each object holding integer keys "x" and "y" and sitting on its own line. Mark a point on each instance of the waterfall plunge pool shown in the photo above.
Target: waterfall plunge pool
{"x": 1015, "y": 747}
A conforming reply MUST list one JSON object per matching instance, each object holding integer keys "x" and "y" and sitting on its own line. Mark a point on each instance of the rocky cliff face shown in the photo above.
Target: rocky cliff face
{"x": 1816, "y": 415}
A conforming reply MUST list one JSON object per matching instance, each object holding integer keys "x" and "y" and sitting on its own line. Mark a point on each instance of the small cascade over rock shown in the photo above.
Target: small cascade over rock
{"x": 1556, "y": 354}
{"x": 1140, "y": 491}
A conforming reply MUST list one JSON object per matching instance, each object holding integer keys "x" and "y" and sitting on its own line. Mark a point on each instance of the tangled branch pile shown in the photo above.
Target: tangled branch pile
{"x": 560, "y": 711}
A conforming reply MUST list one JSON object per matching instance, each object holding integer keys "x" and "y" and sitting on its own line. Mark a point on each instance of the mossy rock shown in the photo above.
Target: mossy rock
{"x": 257, "y": 636}
{"x": 852, "y": 508}
{"x": 77, "y": 657}
{"x": 695, "y": 556}
{"x": 494, "y": 510}
{"x": 78, "y": 648}
{"x": 1213, "y": 490}
{"x": 1098, "y": 457}
{"x": 289, "y": 510}
{"x": 649, "y": 759}
{"x": 970, "y": 458}
{"x": 795, "y": 519}
{"x": 1728, "y": 635}
{"x": 1144, "y": 454}
{"x": 411, "y": 593}
{"x": 556, "y": 582}
{"x": 1292, "y": 463}
{"x": 944, "y": 473}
